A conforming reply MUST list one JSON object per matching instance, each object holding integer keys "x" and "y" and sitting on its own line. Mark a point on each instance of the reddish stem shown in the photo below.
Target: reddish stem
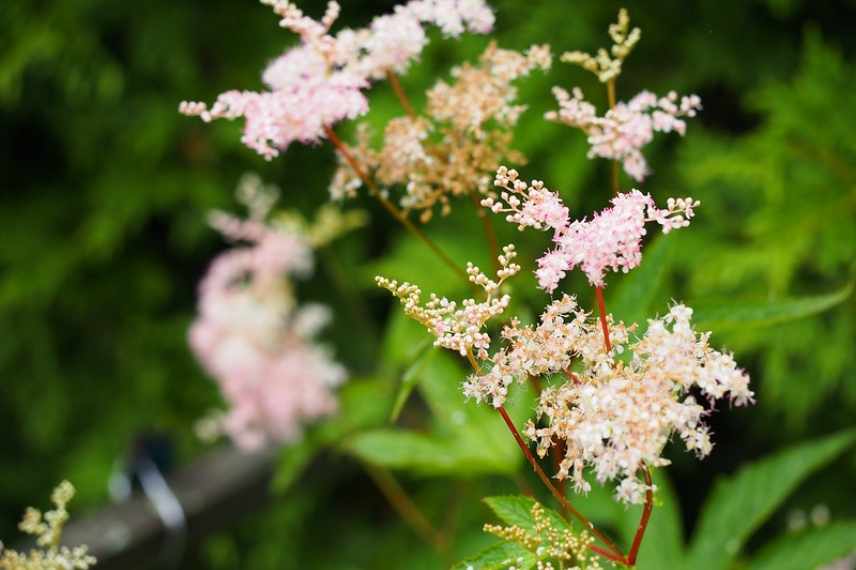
{"x": 643, "y": 522}
{"x": 389, "y": 206}
{"x": 601, "y": 309}
{"x": 399, "y": 92}
{"x": 613, "y": 553}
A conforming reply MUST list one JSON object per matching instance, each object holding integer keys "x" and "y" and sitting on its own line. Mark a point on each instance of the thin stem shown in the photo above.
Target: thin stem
{"x": 489, "y": 232}
{"x": 643, "y": 522}
{"x": 399, "y": 92}
{"x": 601, "y": 309}
{"x": 614, "y": 553}
{"x": 389, "y": 206}
{"x": 610, "y": 94}
{"x": 405, "y": 507}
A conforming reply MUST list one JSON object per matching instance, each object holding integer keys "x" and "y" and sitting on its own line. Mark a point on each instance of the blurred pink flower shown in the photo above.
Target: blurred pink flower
{"x": 253, "y": 339}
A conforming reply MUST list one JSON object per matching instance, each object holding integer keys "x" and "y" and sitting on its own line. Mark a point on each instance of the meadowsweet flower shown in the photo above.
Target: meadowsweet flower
{"x": 606, "y": 65}
{"x": 624, "y": 130}
{"x": 611, "y": 240}
{"x": 47, "y": 528}
{"x": 321, "y": 81}
{"x": 459, "y": 327}
{"x": 254, "y": 339}
{"x": 455, "y": 148}
{"x": 550, "y": 347}
{"x": 616, "y": 417}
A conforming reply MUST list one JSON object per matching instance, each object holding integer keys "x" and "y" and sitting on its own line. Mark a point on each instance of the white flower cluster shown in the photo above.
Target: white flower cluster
{"x": 616, "y": 417}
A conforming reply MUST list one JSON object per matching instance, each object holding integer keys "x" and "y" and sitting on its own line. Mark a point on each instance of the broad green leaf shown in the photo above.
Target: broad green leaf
{"x": 499, "y": 557}
{"x": 732, "y": 314}
{"x": 516, "y": 510}
{"x": 633, "y": 298}
{"x": 409, "y": 380}
{"x": 742, "y": 502}
{"x": 808, "y": 549}
{"x": 466, "y": 438}
{"x": 403, "y": 449}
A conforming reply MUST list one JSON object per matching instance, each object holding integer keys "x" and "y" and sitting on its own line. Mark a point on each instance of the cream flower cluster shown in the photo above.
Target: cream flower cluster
{"x": 459, "y": 327}
{"x": 47, "y": 528}
{"x": 623, "y": 131}
{"x": 616, "y": 417}
{"x": 320, "y": 81}
{"x": 548, "y": 348}
{"x": 253, "y": 338}
{"x": 611, "y": 240}
{"x": 455, "y": 148}
{"x": 606, "y": 65}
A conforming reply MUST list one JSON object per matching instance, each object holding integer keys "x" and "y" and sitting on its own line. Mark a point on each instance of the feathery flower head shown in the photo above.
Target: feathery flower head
{"x": 622, "y": 132}
{"x": 616, "y": 417}
{"x": 455, "y": 148}
{"x": 253, "y": 338}
{"x": 458, "y": 327}
{"x": 47, "y": 528}
{"x": 611, "y": 240}
{"x": 606, "y": 65}
{"x": 320, "y": 81}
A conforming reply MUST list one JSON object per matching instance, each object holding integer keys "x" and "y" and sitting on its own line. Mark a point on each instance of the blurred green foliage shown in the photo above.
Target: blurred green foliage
{"x": 105, "y": 189}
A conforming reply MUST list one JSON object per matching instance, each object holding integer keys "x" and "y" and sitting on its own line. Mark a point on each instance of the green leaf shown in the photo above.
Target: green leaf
{"x": 638, "y": 290}
{"x": 403, "y": 449}
{"x": 409, "y": 379}
{"x": 732, "y": 314}
{"x": 362, "y": 403}
{"x": 742, "y": 502}
{"x": 499, "y": 557}
{"x": 809, "y": 549}
{"x": 516, "y": 510}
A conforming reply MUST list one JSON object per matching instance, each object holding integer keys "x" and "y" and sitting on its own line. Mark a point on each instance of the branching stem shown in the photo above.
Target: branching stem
{"x": 392, "y": 78}
{"x": 389, "y": 206}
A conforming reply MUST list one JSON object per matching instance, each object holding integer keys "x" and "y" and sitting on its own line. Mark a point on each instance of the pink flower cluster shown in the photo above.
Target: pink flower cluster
{"x": 255, "y": 341}
{"x": 624, "y": 130}
{"x": 321, "y": 81}
{"x": 611, "y": 240}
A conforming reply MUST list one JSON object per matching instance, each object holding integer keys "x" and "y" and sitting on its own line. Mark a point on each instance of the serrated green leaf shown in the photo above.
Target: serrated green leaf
{"x": 732, "y": 314}
{"x": 808, "y": 549}
{"x": 499, "y": 557}
{"x": 516, "y": 510}
{"x": 633, "y": 298}
{"x": 742, "y": 502}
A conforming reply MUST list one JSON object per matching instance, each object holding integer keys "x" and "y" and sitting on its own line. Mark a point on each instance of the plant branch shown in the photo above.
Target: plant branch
{"x": 643, "y": 521}
{"x": 389, "y": 206}
{"x": 610, "y": 94}
{"x": 613, "y": 552}
{"x": 399, "y": 92}
{"x": 601, "y": 309}
{"x": 405, "y": 507}
{"x": 489, "y": 232}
